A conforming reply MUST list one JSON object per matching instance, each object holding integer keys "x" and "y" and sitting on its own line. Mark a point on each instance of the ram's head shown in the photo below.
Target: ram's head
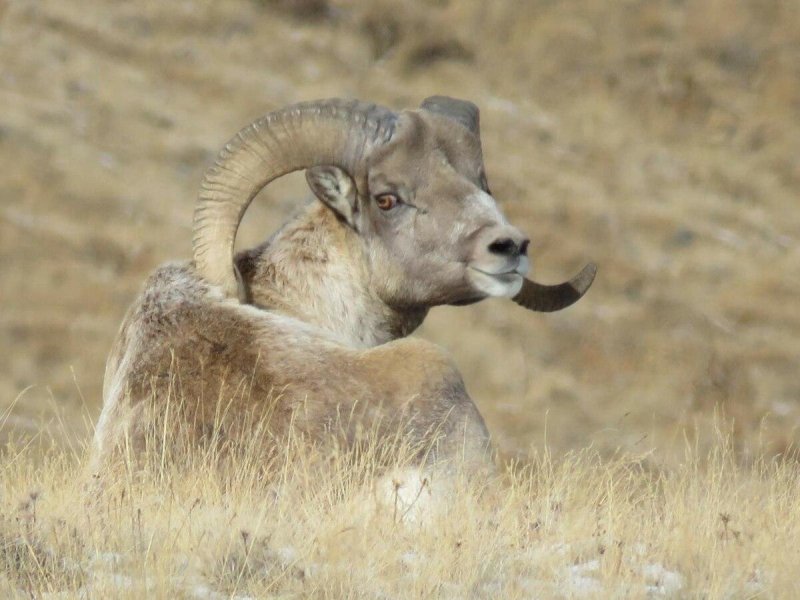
{"x": 411, "y": 184}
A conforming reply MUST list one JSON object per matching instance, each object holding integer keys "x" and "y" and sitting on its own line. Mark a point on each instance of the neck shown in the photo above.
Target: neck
{"x": 316, "y": 269}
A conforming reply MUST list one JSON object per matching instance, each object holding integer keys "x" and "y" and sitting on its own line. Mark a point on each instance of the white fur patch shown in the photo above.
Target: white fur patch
{"x": 507, "y": 285}
{"x": 483, "y": 205}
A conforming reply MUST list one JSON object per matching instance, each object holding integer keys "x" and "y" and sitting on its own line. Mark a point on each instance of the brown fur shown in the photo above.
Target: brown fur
{"x": 187, "y": 344}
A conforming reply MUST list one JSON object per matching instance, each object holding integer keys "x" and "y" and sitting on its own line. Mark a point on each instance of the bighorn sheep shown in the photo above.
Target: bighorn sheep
{"x": 406, "y": 222}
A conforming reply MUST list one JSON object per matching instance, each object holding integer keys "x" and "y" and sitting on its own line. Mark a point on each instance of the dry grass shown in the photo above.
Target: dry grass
{"x": 218, "y": 524}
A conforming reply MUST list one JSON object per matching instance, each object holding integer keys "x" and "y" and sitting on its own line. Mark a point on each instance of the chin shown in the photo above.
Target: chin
{"x": 504, "y": 285}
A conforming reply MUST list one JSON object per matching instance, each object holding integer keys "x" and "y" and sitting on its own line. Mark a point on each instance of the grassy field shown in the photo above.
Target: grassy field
{"x": 223, "y": 524}
{"x": 660, "y": 139}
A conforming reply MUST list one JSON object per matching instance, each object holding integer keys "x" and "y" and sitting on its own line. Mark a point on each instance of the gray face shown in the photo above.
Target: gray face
{"x": 432, "y": 231}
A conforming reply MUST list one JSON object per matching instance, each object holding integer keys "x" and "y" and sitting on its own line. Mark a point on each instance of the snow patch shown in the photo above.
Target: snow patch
{"x": 659, "y": 580}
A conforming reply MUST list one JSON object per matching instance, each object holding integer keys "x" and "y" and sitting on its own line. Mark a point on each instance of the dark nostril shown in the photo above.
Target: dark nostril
{"x": 504, "y": 247}
{"x": 523, "y": 249}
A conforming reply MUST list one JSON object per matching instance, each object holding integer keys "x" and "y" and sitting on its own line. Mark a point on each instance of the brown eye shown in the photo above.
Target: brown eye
{"x": 386, "y": 201}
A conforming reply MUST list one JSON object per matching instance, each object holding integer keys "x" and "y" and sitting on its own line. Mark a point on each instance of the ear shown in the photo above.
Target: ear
{"x": 336, "y": 189}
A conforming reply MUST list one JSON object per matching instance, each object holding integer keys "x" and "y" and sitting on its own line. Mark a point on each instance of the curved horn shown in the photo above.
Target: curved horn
{"x": 549, "y": 298}
{"x": 327, "y": 132}
{"x": 463, "y": 111}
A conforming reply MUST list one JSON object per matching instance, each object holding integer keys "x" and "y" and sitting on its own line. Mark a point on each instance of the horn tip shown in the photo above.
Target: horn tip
{"x": 585, "y": 278}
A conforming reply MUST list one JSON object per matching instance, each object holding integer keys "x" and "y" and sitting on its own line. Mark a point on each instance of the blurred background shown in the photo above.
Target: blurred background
{"x": 659, "y": 138}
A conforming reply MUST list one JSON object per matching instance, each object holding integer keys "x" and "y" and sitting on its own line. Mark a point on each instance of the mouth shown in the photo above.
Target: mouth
{"x": 516, "y": 271}
{"x": 501, "y": 276}
{"x": 508, "y": 274}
